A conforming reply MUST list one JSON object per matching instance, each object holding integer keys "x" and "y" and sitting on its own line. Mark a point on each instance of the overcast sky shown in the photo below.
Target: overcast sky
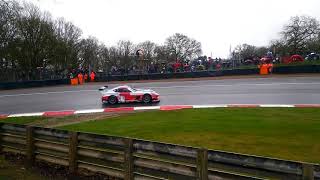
{"x": 217, "y": 24}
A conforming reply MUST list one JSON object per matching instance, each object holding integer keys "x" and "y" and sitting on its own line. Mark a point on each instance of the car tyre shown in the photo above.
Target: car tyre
{"x": 112, "y": 100}
{"x": 146, "y": 98}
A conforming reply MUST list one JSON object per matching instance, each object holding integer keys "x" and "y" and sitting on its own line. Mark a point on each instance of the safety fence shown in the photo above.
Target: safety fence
{"x": 30, "y": 84}
{"x": 101, "y": 77}
{"x": 126, "y": 158}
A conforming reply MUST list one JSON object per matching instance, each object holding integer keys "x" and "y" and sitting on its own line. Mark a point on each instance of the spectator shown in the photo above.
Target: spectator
{"x": 92, "y": 76}
{"x": 218, "y": 66}
{"x": 86, "y": 77}
{"x": 80, "y": 78}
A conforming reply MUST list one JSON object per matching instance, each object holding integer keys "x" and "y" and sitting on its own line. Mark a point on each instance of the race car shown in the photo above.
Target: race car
{"x": 126, "y": 94}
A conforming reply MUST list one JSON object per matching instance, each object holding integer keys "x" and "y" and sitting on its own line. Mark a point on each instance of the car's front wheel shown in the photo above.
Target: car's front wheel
{"x": 146, "y": 98}
{"x": 112, "y": 100}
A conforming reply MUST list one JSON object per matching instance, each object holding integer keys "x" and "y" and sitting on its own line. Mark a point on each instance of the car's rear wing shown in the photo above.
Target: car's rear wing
{"x": 103, "y": 88}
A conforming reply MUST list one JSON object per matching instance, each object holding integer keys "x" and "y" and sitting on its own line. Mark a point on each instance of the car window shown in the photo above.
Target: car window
{"x": 122, "y": 90}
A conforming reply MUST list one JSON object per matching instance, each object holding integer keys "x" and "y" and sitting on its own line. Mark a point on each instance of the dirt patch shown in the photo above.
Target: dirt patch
{"x": 12, "y": 167}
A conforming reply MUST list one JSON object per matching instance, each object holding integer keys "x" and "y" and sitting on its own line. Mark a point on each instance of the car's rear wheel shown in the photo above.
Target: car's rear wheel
{"x": 112, "y": 100}
{"x": 146, "y": 98}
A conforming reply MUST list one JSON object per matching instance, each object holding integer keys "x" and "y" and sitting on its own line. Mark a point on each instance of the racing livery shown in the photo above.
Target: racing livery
{"x": 125, "y": 94}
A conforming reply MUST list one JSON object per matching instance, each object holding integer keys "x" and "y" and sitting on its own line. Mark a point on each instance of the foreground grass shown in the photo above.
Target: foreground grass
{"x": 54, "y": 121}
{"x": 275, "y": 132}
{"x": 24, "y": 120}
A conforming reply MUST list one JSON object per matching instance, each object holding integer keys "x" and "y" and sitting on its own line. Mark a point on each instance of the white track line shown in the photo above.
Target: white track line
{"x": 146, "y": 108}
{"x": 88, "y": 111}
{"x": 276, "y": 105}
{"x": 26, "y": 114}
{"x": 210, "y": 106}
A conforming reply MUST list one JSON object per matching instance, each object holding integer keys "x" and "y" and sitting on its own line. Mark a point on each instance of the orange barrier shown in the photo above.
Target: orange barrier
{"x": 74, "y": 81}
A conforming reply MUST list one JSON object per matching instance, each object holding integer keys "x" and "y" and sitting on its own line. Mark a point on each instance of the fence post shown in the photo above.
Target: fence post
{"x": 202, "y": 164}
{"x": 73, "y": 144}
{"x": 1, "y": 137}
{"x": 128, "y": 159}
{"x": 29, "y": 147}
{"x": 307, "y": 172}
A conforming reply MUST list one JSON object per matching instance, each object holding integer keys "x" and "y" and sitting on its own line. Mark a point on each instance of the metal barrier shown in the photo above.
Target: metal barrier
{"x": 128, "y": 159}
{"x": 157, "y": 76}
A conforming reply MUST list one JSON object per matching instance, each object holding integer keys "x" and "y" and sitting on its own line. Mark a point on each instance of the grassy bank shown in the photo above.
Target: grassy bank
{"x": 276, "y": 132}
{"x": 24, "y": 120}
{"x": 54, "y": 121}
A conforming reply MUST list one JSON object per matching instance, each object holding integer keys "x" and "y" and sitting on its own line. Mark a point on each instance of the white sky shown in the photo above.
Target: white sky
{"x": 217, "y": 24}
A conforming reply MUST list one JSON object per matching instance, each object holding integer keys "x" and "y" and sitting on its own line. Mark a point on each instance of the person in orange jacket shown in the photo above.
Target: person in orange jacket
{"x": 264, "y": 68}
{"x": 86, "y": 77}
{"x": 92, "y": 76}
{"x": 80, "y": 78}
{"x": 270, "y": 68}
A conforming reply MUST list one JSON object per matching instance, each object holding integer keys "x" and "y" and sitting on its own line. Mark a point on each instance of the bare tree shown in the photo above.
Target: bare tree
{"x": 126, "y": 54}
{"x": 162, "y": 54}
{"x": 148, "y": 49}
{"x": 104, "y": 59}
{"x": 8, "y": 32}
{"x": 89, "y": 53}
{"x": 299, "y": 32}
{"x": 182, "y": 47}
{"x": 67, "y": 44}
{"x": 7, "y": 21}
{"x": 36, "y": 33}
{"x": 245, "y": 51}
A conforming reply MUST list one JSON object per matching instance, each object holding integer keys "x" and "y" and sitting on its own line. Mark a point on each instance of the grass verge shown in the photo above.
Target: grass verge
{"x": 24, "y": 120}
{"x": 287, "y": 133}
{"x": 54, "y": 121}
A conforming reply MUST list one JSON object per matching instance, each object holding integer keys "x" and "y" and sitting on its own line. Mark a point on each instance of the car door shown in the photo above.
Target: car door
{"x": 125, "y": 94}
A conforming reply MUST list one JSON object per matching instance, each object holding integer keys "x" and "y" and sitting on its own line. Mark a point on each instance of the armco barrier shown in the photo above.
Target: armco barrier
{"x": 128, "y": 159}
{"x": 29, "y": 84}
{"x": 157, "y": 76}
{"x": 297, "y": 69}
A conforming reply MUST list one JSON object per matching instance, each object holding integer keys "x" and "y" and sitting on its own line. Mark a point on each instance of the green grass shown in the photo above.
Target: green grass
{"x": 275, "y": 132}
{"x": 23, "y": 120}
{"x": 39, "y": 120}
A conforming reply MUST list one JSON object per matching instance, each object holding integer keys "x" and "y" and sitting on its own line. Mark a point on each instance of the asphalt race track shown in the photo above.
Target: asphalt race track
{"x": 275, "y": 90}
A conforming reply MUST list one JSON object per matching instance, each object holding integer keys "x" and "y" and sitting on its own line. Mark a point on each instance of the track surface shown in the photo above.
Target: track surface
{"x": 275, "y": 90}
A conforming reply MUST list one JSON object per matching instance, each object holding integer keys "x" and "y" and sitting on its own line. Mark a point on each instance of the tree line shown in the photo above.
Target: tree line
{"x": 301, "y": 35}
{"x": 34, "y": 46}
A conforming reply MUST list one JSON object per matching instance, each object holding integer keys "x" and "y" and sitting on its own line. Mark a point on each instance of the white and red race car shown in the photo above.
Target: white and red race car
{"x": 126, "y": 94}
